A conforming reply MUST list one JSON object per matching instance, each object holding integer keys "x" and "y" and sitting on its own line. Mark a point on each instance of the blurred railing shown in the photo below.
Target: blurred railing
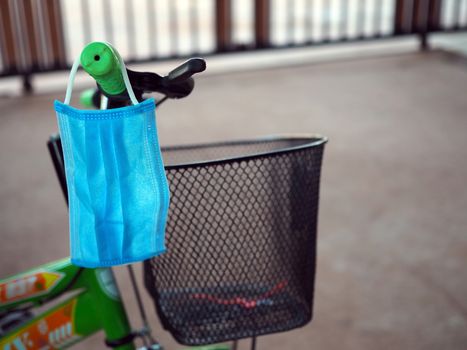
{"x": 46, "y": 35}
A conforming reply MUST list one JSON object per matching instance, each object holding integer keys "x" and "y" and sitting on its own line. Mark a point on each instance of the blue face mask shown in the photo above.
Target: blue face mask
{"x": 117, "y": 189}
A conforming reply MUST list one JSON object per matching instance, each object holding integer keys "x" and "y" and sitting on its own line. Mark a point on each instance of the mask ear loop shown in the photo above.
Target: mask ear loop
{"x": 104, "y": 102}
{"x": 71, "y": 81}
{"x": 126, "y": 80}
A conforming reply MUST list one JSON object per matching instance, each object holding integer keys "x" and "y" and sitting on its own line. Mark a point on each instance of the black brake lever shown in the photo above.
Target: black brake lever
{"x": 188, "y": 68}
{"x": 151, "y": 82}
{"x": 177, "y": 84}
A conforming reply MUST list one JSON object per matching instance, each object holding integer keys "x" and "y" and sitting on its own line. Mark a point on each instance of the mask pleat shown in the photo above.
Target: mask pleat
{"x": 124, "y": 167}
{"x": 84, "y": 211}
{"x": 136, "y": 185}
{"x": 112, "y": 236}
{"x": 161, "y": 185}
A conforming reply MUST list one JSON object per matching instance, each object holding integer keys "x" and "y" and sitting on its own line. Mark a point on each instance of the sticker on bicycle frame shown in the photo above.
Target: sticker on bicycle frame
{"x": 107, "y": 283}
{"x": 53, "y": 331}
{"x": 28, "y": 286}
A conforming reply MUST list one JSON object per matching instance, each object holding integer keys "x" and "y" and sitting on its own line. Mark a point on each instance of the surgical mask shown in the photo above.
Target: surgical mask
{"x": 117, "y": 188}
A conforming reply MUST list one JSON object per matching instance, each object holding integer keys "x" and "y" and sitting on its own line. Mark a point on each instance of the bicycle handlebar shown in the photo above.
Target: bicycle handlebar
{"x": 103, "y": 63}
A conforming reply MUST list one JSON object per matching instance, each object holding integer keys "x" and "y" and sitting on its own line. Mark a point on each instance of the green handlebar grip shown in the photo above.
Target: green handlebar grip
{"x": 101, "y": 61}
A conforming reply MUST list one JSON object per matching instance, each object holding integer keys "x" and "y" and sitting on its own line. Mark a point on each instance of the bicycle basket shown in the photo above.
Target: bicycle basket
{"x": 241, "y": 239}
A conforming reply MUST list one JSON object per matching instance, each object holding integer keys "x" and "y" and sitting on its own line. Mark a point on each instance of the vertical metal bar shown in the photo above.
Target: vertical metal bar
{"x": 253, "y": 343}
{"x": 3, "y": 67}
{"x": 56, "y": 34}
{"x": 20, "y": 36}
{"x": 31, "y": 34}
{"x": 434, "y": 14}
{"x": 290, "y": 20}
{"x": 377, "y": 19}
{"x": 42, "y": 30}
{"x": 223, "y": 25}
{"x": 361, "y": 18}
{"x": 235, "y": 345}
{"x": 85, "y": 21}
{"x": 326, "y": 20}
{"x": 173, "y": 22}
{"x": 309, "y": 20}
{"x": 416, "y": 23}
{"x": 262, "y": 18}
{"x": 45, "y": 42}
{"x": 399, "y": 17}
{"x": 24, "y": 47}
{"x": 47, "y": 49}
{"x": 139, "y": 302}
{"x": 420, "y": 21}
{"x": 457, "y": 14}
{"x": 294, "y": 20}
{"x": 344, "y": 4}
{"x": 409, "y": 16}
{"x": 62, "y": 48}
{"x": 131, "y": 30}
{"x": 27, "y": 84}
{"x": 108, "y": 26}
{"x": 152, "y": 24}
{"x": 194, "y": 26}
{"x": 420, "y": 15}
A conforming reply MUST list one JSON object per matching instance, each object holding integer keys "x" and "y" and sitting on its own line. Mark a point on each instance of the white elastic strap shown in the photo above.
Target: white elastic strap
{"x": 104, "y": 102}
{"x": 126, "y": 80}
{"x": 71, "y": 81}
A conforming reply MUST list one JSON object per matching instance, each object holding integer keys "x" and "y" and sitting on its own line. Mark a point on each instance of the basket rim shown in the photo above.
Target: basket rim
{"x": 314, "y": 140}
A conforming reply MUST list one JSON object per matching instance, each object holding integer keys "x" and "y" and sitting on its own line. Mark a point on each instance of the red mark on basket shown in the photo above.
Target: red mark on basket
{"x": 243, "y": 302}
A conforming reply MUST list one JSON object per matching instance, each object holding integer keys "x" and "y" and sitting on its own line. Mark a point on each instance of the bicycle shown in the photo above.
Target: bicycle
{"x": 214, "y": 308}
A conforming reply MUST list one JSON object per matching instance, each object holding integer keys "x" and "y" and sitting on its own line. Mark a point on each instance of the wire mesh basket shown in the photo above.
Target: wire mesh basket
{"x": 241, "y": 239}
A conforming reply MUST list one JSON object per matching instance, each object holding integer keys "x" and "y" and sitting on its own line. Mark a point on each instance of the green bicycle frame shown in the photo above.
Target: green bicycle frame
{"x": 93, "y": 304}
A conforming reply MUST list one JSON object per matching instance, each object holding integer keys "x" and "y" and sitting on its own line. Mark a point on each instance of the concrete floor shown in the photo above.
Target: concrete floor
{"x": 393, "y": 224}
